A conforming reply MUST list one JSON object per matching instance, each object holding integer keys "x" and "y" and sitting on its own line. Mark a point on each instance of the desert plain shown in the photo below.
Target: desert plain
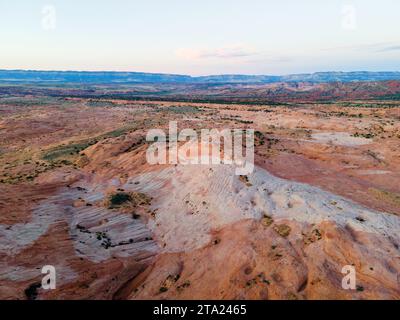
{"x": 76, "y": 192}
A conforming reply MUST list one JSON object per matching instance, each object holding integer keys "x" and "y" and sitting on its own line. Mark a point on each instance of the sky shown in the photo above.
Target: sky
{"x": 201, "y": 37}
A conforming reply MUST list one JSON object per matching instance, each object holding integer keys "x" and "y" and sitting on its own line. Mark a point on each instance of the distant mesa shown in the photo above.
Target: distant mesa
{"x": 99, "y": 77}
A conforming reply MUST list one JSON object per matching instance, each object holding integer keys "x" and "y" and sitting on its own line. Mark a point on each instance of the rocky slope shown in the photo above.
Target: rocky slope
{"x": 206, "y": 234}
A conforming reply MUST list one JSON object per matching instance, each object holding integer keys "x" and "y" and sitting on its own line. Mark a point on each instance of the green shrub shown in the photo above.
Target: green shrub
{"x": 119, "y": 198}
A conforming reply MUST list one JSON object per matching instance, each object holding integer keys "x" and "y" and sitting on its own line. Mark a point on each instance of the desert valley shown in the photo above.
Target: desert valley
{"x": 76, "y": 191}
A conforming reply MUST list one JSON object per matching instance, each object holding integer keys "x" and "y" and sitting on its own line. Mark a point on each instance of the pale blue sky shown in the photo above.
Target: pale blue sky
{"x": 201, "y": 37}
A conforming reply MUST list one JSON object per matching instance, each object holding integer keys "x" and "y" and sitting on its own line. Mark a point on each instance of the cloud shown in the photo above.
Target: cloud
{"x": 371, "y": 47}
{"x": 226, "y": 52}
{"x": 390, "y": 48}
{"x": 271, "y": 59}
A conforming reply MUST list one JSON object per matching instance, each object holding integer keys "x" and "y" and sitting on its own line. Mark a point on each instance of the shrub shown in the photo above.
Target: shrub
{"x": 119, "y": 198}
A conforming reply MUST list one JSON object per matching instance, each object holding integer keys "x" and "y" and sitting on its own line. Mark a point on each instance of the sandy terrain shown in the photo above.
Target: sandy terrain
{"x": 324, "y": 194}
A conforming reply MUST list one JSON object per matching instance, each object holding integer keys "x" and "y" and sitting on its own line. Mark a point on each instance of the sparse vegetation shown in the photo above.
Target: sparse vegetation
{"x": 184, "y": 109}
{"x": 245, "y": 180}
{"x": 127, "y": 199}
{"x": 385, "y": 196}
{"x": 184, "y": 285}
{"x": 282, "y": 229}
{"x": 118, "y": 199}
{"x": 266, "y": 220}
{"x": 311, "y": 237}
